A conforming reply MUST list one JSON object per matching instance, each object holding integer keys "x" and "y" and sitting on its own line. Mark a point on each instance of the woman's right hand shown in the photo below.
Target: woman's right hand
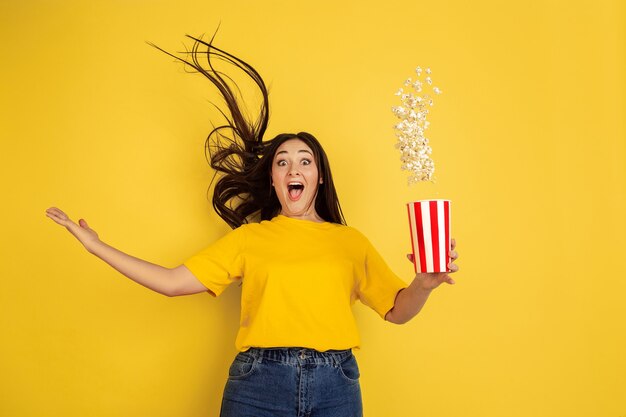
{"x": 86, "y": 235}
{"x": 166, "y": 281}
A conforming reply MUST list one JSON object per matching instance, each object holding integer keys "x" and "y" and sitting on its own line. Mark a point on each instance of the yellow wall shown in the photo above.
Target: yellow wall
{"x": 529, "y": 142}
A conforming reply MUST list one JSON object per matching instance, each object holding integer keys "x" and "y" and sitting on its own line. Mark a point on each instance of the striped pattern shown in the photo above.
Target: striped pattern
{"x": 430, "y": 234}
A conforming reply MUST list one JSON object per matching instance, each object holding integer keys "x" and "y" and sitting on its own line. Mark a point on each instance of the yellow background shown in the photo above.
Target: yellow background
{"x": 529, "y": 144}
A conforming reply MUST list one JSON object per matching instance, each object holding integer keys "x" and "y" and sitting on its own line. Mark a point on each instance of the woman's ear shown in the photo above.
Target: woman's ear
{"x": 321, "y": 180}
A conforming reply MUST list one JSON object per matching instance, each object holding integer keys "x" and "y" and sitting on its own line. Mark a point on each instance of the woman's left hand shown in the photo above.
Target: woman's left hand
{"x": 430, "y": 281}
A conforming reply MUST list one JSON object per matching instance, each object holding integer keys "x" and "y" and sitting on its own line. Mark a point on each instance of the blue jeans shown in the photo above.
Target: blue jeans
{"x": 293, "y": 382}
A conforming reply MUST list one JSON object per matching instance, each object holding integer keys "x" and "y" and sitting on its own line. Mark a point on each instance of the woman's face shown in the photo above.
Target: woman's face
{"x": 295, "y": 179}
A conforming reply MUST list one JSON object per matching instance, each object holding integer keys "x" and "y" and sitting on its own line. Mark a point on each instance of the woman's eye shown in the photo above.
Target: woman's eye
{"x": 306, "y": 162}
{"x": 281, "y": 163}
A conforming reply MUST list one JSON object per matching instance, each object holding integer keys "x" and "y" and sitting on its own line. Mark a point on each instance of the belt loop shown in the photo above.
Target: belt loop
{"x": 257, "y": 354}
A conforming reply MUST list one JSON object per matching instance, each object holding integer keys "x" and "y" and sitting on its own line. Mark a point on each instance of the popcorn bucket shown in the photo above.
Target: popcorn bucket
{"x": 430, "y": 234}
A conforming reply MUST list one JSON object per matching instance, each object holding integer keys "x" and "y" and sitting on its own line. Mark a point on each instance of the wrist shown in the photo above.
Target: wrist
{"x": 419, "y": 285}
{"x": 92, "y": 245}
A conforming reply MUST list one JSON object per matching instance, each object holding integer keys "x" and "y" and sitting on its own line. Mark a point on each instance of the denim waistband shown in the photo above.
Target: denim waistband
{"x": 296, "y": 355}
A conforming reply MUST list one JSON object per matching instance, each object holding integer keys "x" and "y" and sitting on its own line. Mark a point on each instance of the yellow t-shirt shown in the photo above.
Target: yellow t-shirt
{"x": 299, "y": 281}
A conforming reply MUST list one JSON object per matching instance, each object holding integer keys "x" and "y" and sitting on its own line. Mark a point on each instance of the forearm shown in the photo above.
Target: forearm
{"x": 409, "y": 302}
{"x": 157, "y": 278}
{"x": 154, "y": 277}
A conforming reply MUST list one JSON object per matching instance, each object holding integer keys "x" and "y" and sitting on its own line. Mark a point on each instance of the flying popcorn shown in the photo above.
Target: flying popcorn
{"x": 412, "y": 143}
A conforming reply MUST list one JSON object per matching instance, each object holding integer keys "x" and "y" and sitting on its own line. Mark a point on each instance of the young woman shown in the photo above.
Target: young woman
{"x": 300, "y": 266}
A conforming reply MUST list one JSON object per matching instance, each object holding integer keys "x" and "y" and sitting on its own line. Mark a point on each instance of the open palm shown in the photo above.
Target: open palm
{"x": 81, "y": 231}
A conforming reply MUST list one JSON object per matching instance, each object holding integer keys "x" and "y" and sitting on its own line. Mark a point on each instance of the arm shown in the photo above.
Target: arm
{"x": 166, "y": 281}
{"x": 410, "y": 300}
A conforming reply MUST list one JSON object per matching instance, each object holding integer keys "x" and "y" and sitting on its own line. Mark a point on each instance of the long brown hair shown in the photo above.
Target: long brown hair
{"x": 236, "y": 149}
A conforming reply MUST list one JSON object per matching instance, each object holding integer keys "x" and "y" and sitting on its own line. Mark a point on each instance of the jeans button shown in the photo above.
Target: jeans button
{"x": 302, "y": 355}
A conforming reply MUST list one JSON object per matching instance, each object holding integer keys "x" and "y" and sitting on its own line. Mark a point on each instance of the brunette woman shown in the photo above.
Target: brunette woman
{"x": 301, "y": 267}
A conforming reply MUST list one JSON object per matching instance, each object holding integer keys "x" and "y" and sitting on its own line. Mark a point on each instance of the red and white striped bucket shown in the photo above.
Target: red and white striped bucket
{"x": 430, "y": 234}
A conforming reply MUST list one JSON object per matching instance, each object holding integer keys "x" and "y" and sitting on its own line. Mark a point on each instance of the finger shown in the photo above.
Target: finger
{"x": 55, "y": 218}
{"x": 83, "y": 224}
{"x": 410, "y": 257}
{"x": 453, "y": 267}
{"x": 454, "y": 255}
{"x": 53, "y": 211}
{"x": 443, "y": 277}
{"x": 453, "y": 243}
{"x": 58, "y": 216}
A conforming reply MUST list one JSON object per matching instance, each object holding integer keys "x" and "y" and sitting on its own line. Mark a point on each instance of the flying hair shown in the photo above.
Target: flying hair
{"x": 236, "y": 150}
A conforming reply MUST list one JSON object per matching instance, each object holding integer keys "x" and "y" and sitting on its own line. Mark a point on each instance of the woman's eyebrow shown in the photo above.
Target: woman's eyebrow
{"x": 301, "y": 150}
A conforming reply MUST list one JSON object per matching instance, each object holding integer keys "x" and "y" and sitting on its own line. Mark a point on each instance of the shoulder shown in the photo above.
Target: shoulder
{"x": 352, "y": 234}
{"x": 234, "y": 237}
{"x": 351, "y": 231}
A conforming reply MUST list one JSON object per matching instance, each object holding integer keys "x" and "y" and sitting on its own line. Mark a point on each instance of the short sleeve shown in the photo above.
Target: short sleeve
{"x": 378, "y": 286}
{"x": 219, "y": 264}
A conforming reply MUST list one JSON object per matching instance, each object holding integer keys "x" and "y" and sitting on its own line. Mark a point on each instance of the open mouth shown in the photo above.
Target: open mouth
{"x": 295, "y": 190}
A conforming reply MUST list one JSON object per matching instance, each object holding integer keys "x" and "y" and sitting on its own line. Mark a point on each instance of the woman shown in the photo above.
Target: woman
{"x": 300, "y": 266}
